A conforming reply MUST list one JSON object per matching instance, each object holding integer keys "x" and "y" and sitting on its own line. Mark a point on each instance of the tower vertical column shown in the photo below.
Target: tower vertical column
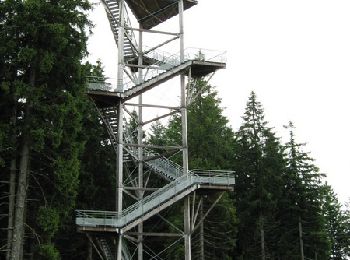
{"x": 140, "y": 149}
{"x": 187, "y": 226}
{"x": 121, "y": 31}
{"x": 120, "y": 88}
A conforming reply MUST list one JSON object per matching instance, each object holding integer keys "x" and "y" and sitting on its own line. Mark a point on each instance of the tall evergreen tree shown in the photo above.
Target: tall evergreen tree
{"x": 301, "y": 216}
{"x": 259, "y": 164}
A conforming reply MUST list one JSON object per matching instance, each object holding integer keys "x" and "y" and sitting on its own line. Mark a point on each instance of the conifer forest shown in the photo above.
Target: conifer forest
{"x": 56, "y": 157}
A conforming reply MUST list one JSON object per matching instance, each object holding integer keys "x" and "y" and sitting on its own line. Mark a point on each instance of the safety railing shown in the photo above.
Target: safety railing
{"x": 201, "y": 54}
{"x": 213, "y": 173}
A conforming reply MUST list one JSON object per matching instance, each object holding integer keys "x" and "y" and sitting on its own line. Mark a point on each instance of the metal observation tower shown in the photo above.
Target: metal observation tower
{"x": 140, "y": 69}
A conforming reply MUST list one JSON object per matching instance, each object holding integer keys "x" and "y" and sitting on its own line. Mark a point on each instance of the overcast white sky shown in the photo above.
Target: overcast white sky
{"x": 294, "y": 54}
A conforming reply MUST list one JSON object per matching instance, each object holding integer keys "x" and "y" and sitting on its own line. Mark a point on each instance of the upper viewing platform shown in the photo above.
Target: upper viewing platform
{"x": 150, "y": 13}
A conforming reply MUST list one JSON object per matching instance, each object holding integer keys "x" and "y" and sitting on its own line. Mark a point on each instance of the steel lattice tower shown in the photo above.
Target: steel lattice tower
{"x": 141, "y": 69}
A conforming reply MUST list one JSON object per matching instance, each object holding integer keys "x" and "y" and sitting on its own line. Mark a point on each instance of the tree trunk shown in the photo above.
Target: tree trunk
{"x": 17, "y": 238}
{"x": 24, "y": 170}
{"x": 12, "y": 181}
{"x": 12, "y": 196}
{"x": 262, "y": 237}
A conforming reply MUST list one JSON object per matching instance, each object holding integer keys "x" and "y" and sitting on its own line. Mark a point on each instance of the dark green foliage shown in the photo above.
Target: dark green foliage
{"x": 48, "y": 221}
{"x": 210, "y": 140}
{"x": 98, "y": 167}
{"x": 47, "y": 252}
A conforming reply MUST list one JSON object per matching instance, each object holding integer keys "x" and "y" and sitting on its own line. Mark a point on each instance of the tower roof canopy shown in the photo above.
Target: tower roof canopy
{"x": 150, "y": 13}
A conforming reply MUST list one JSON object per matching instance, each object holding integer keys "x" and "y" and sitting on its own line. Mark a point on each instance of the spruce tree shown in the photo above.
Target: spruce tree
{"x": 301, "y": 216}
{"x": 259, "y": 165}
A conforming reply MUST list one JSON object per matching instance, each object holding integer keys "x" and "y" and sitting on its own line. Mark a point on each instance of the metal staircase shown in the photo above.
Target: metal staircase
{"x": 90, "y": 220}
{"x": 113, "y": 14}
